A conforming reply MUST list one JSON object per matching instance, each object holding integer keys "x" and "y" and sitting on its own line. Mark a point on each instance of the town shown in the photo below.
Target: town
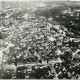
{"x": 39, "y": 40}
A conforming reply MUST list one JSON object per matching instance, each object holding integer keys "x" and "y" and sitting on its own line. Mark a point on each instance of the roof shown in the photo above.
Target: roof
{"x": 75, "y": 39}
{"x": 51, "y": 38}
{"x": 77, "y": 10}
{"x": 56, "y": 26}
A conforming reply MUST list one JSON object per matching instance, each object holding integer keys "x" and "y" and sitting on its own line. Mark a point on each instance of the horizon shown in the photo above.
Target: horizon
{"x": 36, "y": 0}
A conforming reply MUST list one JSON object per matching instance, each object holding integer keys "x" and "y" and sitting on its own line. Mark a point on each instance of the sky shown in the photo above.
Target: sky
{"x": 39, "y": 0}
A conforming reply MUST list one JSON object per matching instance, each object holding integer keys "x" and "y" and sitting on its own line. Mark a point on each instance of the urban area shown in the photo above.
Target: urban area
{"x": 40, "y": 40}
